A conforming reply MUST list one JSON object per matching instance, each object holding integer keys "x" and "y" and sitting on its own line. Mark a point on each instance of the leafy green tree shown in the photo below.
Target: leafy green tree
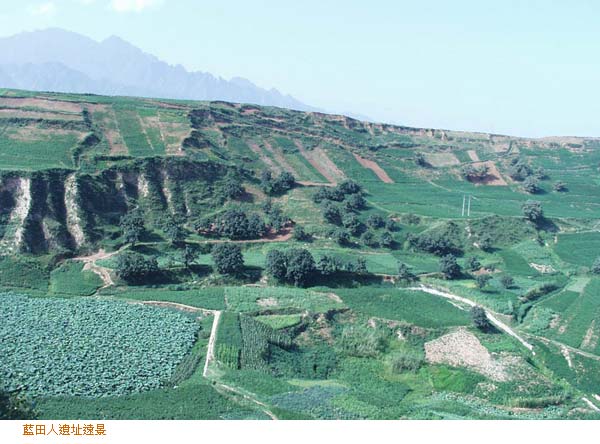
{"x": 386, "y": 239}
{"x": 14, "y": 406}
{"x": 353, "y": 224}
{"x": 391, "y": 225}
{"x": 596, "y": 266}
{"x": 375, "y": 221}
{"x": 532, "y": 210}
{"x": 507, "y": 281}
{"x": 355, "y": 202}
{"x": 369, "y": 239}
{"x": 342, "y": 237}
{"x": 560, "y": 186}
{"x": 449, "y": 267}
{"x": 228, "y": 258}
{"x": 276, "y": 264}
{"x": 480, "y": 319}
{"x": 328, "y": 265}
{"x": 473, "y": 264}
{"x": 233, "y": 187}
{"x": 485, "y": 242}
{"x": 331, "y": 213}
{"x": 189, "y": 255}
{"x": 300, "y": 266}
{"x": 404, "y": 273}
{"x": 361, "y": 265}
{"x": 135, "y": 268}
{"x": 349, "y": 187}
{"x": 420, "y": 160}
{"x": 482, "y": 280}
{"x": 531, "y": 185}
{"x": 173, "y": 228}
{"x": 132, "y": 226}
{"x": 300, "y": 234}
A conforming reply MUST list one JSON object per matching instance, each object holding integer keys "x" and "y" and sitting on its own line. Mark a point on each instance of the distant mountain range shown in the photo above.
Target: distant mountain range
{"x": 63, "y": 61}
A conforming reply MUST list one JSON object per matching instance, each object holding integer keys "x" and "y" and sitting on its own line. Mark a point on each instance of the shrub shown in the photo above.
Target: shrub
{"x": 560, "y": 186}
{"x": 532, "y": 210}
{"x": 482, "y": 280}
{"x": 531, "y": 185}
{"x": 406, "y": 361}
{"x": 375, "y": 221}
{"x": 480, "y": 319}
{"x": 507, "y": 281}
{"x": 473, "y": 264}
{"x": 449, "y": 267}
{"x": 596, "y": 266}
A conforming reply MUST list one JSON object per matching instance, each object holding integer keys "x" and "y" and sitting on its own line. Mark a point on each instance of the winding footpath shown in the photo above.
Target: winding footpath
{"x": 210, "y": 351}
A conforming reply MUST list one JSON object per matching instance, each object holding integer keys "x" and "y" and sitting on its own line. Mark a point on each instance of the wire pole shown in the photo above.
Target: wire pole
{"x": 463, "y": 210}
{"x": 469, "y": 209}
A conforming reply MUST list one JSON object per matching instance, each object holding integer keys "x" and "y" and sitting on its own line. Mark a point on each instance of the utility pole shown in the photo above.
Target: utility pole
{"x": 469, "y": 209}
{"x": 463, "y": 210}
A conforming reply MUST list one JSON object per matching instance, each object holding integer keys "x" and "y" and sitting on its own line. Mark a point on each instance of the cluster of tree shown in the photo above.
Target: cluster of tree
{"x": 276, "y": 185}
{"x": 276, "y": 219}
{"x": 404, "y": 273}
{"x": 236, "y": 224}
{"x": 443, "y": 241}
{"x": 449, "y": 267}
{"x": 329, "y": 265}
{"x": 295, "y": 266}
{"x": 173, "y": 227}
{"x": 519, "y": 170}
{"x": 340, "y": 193}
{"x": 475, "y": 172}
{"x": 136, "y": 268}
{"x": 421, "y": 161}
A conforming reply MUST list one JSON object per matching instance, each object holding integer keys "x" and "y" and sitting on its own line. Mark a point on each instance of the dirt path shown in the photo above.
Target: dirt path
{"x": 182, "y": 307}
{"x": 263, "y": 406}
{"x": 473, "y": 155}
{"x": 210, "y": 351}
{"x": 373, "y": 166}
{"x": 307, "y": 183}
{"x": 590, "y": 404}
{"x": 498, "y": 323}
{"x": 103, "y": 272}
{"x": 321, "y": 162}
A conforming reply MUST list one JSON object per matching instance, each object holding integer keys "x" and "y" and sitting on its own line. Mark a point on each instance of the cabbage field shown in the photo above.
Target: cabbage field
{"x": 90, "y": 347}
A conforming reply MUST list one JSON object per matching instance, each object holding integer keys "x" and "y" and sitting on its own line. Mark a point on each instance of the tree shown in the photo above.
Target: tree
{"x": 331, "y": 213}
{"x": 233, "y": 188}
{"x": 531, "y": 185}
{"x": 174, "y": 230}
{"x": 329, "y": 265}
{"x": 473, "y": 264}
{"x": 596, "y": 266}
{"x": 235, "y": 224}
{"x": 532, "y": 210}
{"x": 353, "y": 224}
{"x": 475, "y": 172}
{"x": 480, "y": 319}
{"x": 276, "y": 264}
{"x": 375, "y": 221}
{"x": 404, "y": 273}
{"x": 369, "y": 239}
{"x": 560, "y": 186}
{"x": 361, "y": 265}
{"x": 342, "y": 237}
{"x": 482, "y": 280}
{"x": 300, "y": 266}
{"x": 386, "y": 239}
{"x": 485, "y": 242}
{"x": 132, "y": 226}
{"x": 355, "y": 202}
{"x": 420, "y": 160}
{"x": 507, "y": 281}
{"x": 300, "y": 234}
{"x": 349, "y": 187}
{"x": 449, "y": 267}
{"x": 134, "y": 267}
{"x": 228, "y": 258}
{"x": 391, "y": 225}
{"x": 189, "y": 255}
{"x": 14, "y": 406}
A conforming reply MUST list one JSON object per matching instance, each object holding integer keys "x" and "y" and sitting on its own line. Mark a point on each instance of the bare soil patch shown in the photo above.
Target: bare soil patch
{"x": 473, "y": 155}
{"x": 264, "y": 158}
{"x": 442, "y": 159}
{"x": 322, "y": 163}
{"x": 45, "y": 104}
{"x": 10, "y": 112}
{"x": 493, "y": 178}
{"x": 281, "y": 160}
{"x": 373, "y": 166}
{"x": 463, "y": 349}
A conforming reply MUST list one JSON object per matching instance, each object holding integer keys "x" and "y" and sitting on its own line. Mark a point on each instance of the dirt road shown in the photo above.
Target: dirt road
{"x": 210, "y": 351}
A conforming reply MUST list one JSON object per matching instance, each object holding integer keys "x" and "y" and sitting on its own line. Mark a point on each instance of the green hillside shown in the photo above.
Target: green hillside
{"x": 297, "y": 261}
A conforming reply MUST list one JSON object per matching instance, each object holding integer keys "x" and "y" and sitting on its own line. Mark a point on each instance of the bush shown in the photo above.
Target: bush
{"x": 482, "y": 280}
{"x": 406, "y": 361}
{"x": 362, "y": 341}
{"x": 531, "y": 185}
{"x": 296, "y": 265}
{"x": 375, "y": 221}
{"x": 132, "y": 226}
{"x": 560, "y": 186}
{"x": 532, "y": 210}
{"x": 507, "y": 281}
{"x": 473, "y": 264}
{"x": 228, "y": 258}
{"x": 596, "y": 266}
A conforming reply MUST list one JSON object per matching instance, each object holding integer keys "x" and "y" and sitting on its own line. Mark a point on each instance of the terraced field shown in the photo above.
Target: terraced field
{"x": 116, "y": 212}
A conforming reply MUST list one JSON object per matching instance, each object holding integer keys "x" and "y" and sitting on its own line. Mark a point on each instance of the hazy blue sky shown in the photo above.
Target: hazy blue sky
{"x": 517, "y": 67}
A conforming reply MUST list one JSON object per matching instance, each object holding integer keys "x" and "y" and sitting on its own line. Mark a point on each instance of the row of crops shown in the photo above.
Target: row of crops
{"x": 89, "y": 347}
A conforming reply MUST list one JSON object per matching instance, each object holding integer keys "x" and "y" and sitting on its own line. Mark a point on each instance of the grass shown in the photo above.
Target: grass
{"x": 578, "y": 248}
{"x": 209, "y": 298}
{"x": 70, "y": 279}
